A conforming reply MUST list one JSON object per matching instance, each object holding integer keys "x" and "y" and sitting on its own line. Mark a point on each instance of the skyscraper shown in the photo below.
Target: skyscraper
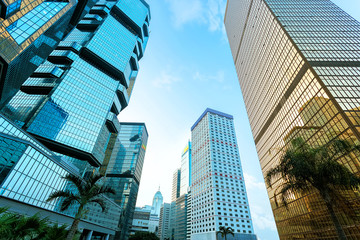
{"x": 175, "y": 190}
{"x": 218, "y": 194}
{"x": 123, "y": 170}
{"x": 30, "y": 31}
{"x": 164, "y": 222}
{"x": 298, "y": 67}
{"x": 67, "y": 109}
{"x": 185, "y": 175}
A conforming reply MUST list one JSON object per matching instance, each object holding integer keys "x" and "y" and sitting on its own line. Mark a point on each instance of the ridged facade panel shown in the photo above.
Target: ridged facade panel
{"x": 298, "y": 68}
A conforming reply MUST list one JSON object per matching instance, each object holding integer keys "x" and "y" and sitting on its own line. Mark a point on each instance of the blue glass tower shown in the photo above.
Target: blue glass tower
{"x": 69, "y": 105}
{"x": 30, "y": 30}
{"x": 123, "y": 169}
{"x": 89, "y": 76}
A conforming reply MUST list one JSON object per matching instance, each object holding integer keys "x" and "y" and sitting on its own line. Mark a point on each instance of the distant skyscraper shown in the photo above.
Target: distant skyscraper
{"x": 157, "y": 203}
{"x": 298, "y": 64}
{"x": 218, "y": 194}
{"x": 181, "y": 217}
{"x": 185, "y": 175}
{"x": 175, "y": 191}
{"x": 164, "y": 222}
{"x": 124, "y": 168}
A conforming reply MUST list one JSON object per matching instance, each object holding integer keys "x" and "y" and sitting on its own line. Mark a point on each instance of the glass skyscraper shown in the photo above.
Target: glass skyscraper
{"x": 30, "y": 30}
{"x": 299, "y": 70}
{"x": 123, "y": 170}
{"x": 69, "y": 107}
{"x": 185, "y": 175}
{"x": 218, "y": 193}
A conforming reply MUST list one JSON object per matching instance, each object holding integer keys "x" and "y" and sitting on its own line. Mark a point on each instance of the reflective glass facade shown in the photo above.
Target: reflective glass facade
{"x": 298, "y": 67}
{"x": 89, "y": 78}
{"x": 70, "y": 104}
{"x": 185, "y": 176}
{"x": 29, "y": 31}
{"x": 218, "y": 193}
{"x": 29, "y": 173}
{"x": 123, "y": 167}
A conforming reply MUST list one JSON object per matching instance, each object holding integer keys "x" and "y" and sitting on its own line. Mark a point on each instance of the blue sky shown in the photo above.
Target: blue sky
{"x": 186, "y": 68}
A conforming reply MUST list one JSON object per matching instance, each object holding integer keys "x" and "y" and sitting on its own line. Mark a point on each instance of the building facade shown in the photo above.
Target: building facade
{"x": 185, "y": 175}
{"x": 175, "y": 190}
{"x": 70, "y": 103}
{"x": 298, "y": 67}
{"x": 30, "y": 31}
{"x": 140, "y": 221}
{"x": 123, "y": 170}
{"x": 164, "y": 222}
{"x": 218, "y": 194}
{"x": 181, "y": 217}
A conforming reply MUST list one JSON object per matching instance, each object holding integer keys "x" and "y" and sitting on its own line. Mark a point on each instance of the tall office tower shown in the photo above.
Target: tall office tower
{"x": 175, "y": 191}
{"x": 164, "y": 222}
{"x": 181, "y": 211}
{"x": 218, "y": 194}
{"x": 71, "y": 101}
{"x": 185, "y": 175}
{"x": 181, "y": 217}
{"x": 30, "y": 31}
{"x": 298, "y": 67}
{"x": 155, "y": 212}
{"x": 124, "y": 165}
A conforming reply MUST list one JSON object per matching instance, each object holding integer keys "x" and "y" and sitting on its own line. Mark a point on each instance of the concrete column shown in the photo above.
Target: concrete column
{"x": 106, "y": 237}
{"x": 89, "y": 235}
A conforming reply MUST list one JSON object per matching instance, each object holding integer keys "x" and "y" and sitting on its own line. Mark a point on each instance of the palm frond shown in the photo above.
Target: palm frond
{"x": 60, "y": 193}
{"x": 106, "y": 189}
{"x": 74, "y": 180}
{"x": 99, "y": 201}
{"x": 68, "y": 202}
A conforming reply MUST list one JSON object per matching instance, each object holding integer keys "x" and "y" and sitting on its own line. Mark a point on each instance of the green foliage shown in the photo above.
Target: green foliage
{"x": 224, "y": 231}
{"x": 304, "y": 166}
{"x": 19, "y": 227}
{"x": 88, "y": 192}
{"x": 143, "y": 236}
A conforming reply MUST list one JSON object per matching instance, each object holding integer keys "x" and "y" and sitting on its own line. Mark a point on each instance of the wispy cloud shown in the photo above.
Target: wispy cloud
{"x": 165, "y": 80}
{"x": 262, "y": 219}
{"x": 219, "y": 76}
{"x": 252, "y": 183}
{"x": 208, "y": 12}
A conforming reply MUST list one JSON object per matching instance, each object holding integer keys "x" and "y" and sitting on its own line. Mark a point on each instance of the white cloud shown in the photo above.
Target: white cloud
{"x": 253, "y": 184}
{"x": 219, "y": 76}
{"x": 208, "y": 12}
{"x": 165, "y": 80}
{"x": 262, "y": 220}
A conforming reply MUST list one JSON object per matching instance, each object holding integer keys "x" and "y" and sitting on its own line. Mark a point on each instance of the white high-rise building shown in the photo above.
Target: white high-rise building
{"x": 218, "y": 194}
{"x": 185, "y": 177}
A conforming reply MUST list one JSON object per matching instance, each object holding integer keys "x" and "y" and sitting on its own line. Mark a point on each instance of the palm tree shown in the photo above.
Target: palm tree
{"x": 15, "y": 226}
{"x": 225, "y": 231}
{"x": 87, "y": 192}
{"x": 304, "y": 167}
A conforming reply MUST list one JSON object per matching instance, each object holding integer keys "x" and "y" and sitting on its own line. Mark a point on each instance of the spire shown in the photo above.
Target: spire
{"x": 159, "y": 188}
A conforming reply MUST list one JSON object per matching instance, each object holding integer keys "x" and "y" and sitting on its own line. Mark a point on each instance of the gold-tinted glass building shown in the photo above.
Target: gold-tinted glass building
{"x": 29, "y": 31}
{"x": 298, "y": 64}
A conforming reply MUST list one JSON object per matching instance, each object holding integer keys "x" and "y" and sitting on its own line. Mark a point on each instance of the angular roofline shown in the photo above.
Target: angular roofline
{"x": 135, "y": 123}
{"x": 209, "y": 110}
